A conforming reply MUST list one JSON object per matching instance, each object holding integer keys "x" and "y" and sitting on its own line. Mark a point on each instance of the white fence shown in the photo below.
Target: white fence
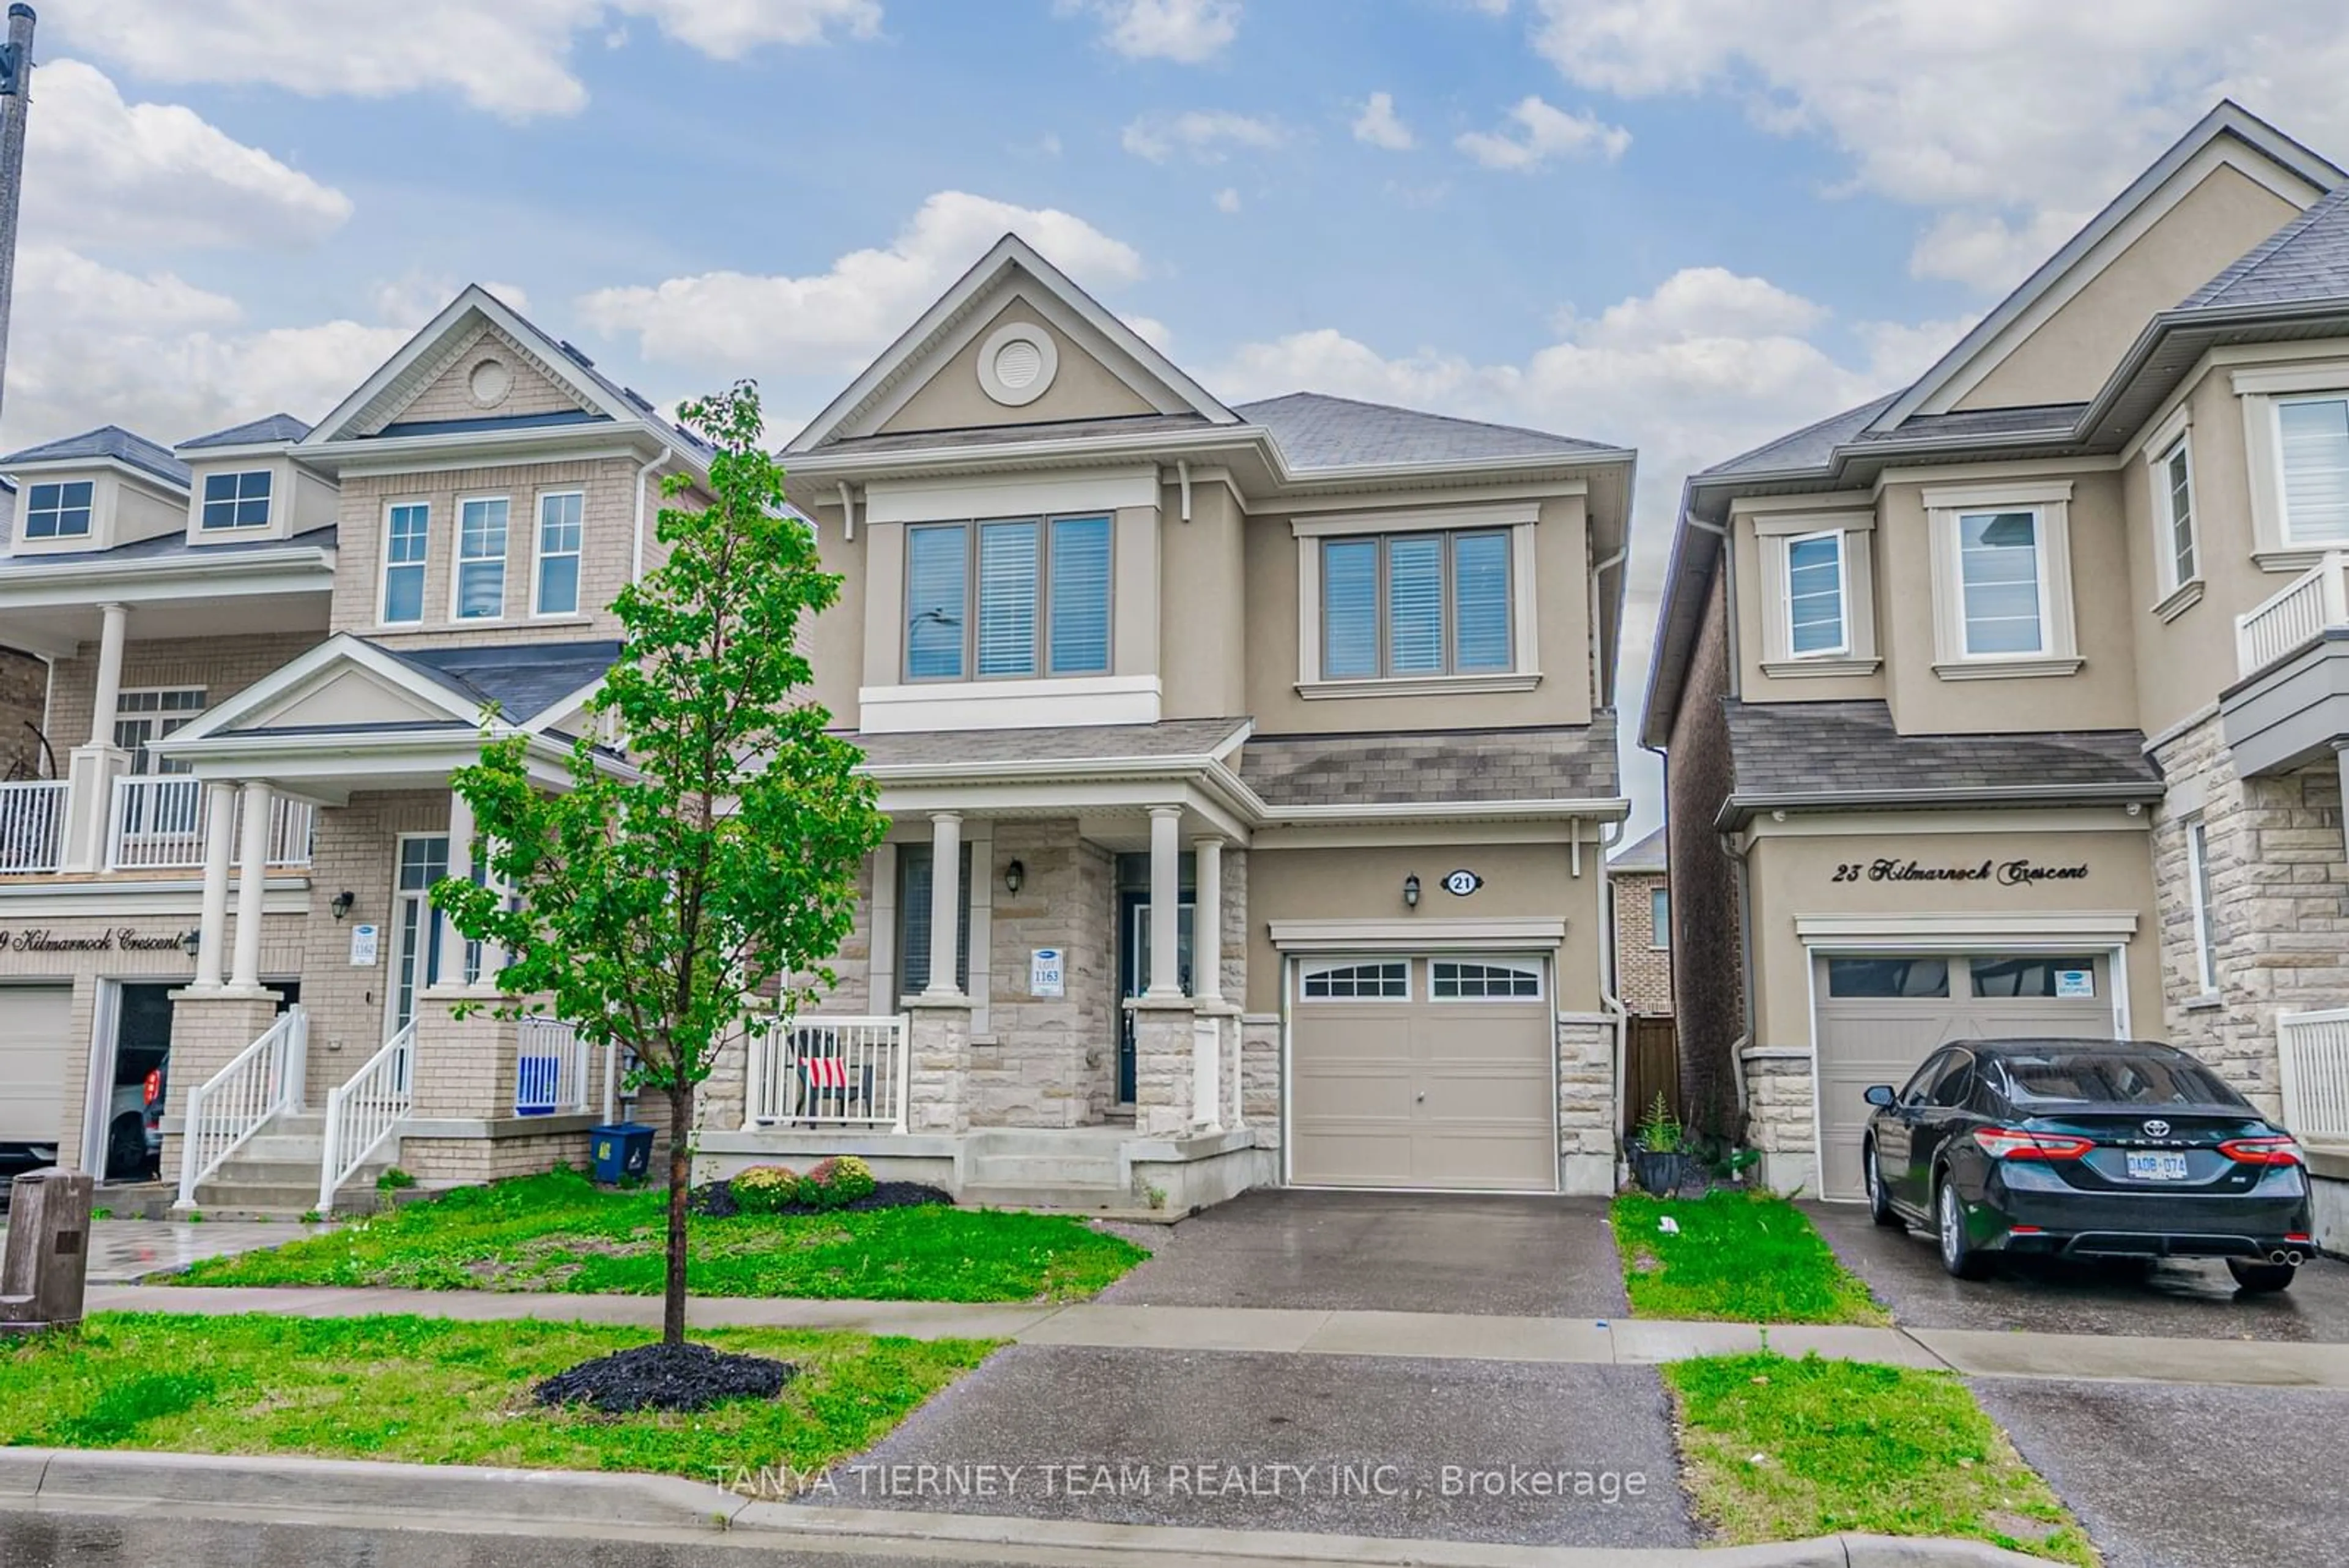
{"x": 238, "y": 1101}
{"x": 828, "y": 1072}
{"x": 2293, "y": 616}
{"x": 159, "y": 823}
{"x": 550, "y": 1068}
{"x": 32, "y": 824}
{"x": 2312, "y": 1050}
{"x": 365, "y": 1110}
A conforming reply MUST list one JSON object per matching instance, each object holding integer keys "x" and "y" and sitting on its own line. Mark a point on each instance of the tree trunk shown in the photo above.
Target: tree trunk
{"x": 680, "y": 1187}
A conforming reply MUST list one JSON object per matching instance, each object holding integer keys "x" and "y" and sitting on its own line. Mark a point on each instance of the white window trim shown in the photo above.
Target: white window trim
{"x": 2197, "y": 876}
{"x": 2178, "y": 594}
{"x": 458, "y": 560}
{"x": 205, "y": 504}
{"x": 2259, "y": 390}
{"x": 1517, "y": 963}
{"x": 1660, "y": 936}
{"x": 538, "y": 557}
{"x": 57, "y": 540}
{"x": 1323, "y": 965}
{"x": 2058, "y": 652}
{"x": 1775, "y": 535}
{"x": 1842, "y": 648}
{"x": 1525, "y": 647}
{"x": 384, "y": 564}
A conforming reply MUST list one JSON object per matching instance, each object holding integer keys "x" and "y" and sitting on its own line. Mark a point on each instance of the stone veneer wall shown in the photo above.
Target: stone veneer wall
{"x": 1047, "y": 1061}
{"x": 1586, "y": 1105}
{"x": 2279, "y": 902}
{"x": 1780, "y": 1123}
{"x": 1260, "y": 1078}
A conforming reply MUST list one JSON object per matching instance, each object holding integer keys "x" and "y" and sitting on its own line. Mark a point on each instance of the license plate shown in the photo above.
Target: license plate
{"x": 2157, "y": 1167}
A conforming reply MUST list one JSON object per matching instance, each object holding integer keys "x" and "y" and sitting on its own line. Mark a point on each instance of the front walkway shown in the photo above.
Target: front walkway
{"x": 122, "y": 1251}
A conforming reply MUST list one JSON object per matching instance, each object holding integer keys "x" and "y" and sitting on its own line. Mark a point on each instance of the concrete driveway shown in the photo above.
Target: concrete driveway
{"x": 2183, "y": 1298}
{"x": 1527, "y": 1257}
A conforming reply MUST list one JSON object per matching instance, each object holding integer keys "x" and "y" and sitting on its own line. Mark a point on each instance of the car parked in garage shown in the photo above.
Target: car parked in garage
{"x": 2085, "y": 1147}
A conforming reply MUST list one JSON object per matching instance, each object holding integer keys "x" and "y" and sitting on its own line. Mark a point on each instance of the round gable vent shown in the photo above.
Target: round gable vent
{"x": 1016, "y": 364}
{"x": 489, "y": 383}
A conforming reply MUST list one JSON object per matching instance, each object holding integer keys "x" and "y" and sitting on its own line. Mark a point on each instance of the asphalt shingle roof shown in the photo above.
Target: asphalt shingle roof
{"x": 1567, "y": 762}
{"x": 1070, "y": 743}
{"x": 107, "y": 442}
{"x": 1316, "y": 431}
{"x": 2307, "y": 259}
{"x": 253, "y": 433}
{"x": 1648, "y": 854}
{"x": 1787, "y": 751}
{"x": 1004, "y": 435}
{"x": 163, "y": 544}
{"x": 522, "y": 679}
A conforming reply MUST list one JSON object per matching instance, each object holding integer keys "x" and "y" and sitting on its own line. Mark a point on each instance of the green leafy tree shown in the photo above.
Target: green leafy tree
{"x": 656, "y": 901}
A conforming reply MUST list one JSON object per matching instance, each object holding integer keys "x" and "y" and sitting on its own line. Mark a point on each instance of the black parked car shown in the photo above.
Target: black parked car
{"x": 2085, "y": 1147}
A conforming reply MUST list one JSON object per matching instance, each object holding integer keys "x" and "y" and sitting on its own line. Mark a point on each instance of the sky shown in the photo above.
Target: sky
{"x": 1681, "y": 226}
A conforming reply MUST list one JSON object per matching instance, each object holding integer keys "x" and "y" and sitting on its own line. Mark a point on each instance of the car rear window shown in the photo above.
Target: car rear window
{"x": 2115, "y": 1078}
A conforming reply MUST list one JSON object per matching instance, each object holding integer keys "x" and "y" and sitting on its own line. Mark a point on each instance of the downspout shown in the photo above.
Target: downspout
{"x": 1183, "y": 477}
{"x": 1596, "y": 573}
{"x": 636, "y": 564}
{"x": 1609, "y": 834}
{"x": 847, "y": 511}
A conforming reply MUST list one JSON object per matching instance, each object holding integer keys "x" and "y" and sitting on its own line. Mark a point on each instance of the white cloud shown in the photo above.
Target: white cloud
{"x": 837, "y": 318}
{"x": 2023, "y": 116}
{"x": 99, "y": 171}
{"x": 416, "y": 296}
{"x": 1228, "y": 200}
{"x": 511, "y": 59}
{"x": 1206, "y": 135}
{"x": 1379, "y": 126}
{"x": 1189, "y": 32}
{"x": 1543, "y": 132}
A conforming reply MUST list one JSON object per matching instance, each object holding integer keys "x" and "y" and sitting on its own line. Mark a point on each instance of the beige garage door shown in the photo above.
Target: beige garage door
{"x": 1420, "y": 1071}
{"x": 33, "y": 1022}
{"x": 1880, "y": 1017}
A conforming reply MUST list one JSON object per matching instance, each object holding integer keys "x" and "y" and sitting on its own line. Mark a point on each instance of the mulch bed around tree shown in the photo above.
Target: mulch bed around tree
{"x": 666, "y": 1377}
{"x": 716, "y": 1200}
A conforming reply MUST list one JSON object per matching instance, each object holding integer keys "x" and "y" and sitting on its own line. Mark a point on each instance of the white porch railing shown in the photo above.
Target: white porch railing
{"x": 160, "y": 823}
{"x": 32, "y": 824}
{"x": 2312, "y": 1056}
{"x": 550, "y": 1068}
{"x": 237, "y": 1101}
{"x": 828, "y": 1072}
{"x": 364, "y": 1111}
{"x": 2295, "y": 616}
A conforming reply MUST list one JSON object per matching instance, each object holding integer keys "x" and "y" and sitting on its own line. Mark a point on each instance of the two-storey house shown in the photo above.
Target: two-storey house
{"x": 2006, "y": 703}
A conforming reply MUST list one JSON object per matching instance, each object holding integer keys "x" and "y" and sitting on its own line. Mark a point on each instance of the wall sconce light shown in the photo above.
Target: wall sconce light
{"x": 190, "y": 941}
{"x": 343, "y": 902}
{"x": 1013, "y": 875}
{"x": 1411, "y": 891}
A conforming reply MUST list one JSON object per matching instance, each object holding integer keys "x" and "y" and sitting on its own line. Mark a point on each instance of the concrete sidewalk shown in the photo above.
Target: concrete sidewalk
{"x": 1441, "y": 1336}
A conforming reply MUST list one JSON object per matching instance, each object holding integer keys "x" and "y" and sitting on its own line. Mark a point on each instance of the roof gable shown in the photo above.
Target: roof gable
{"x": 2306, "y": 259}
{"x": 1314, "y": 430}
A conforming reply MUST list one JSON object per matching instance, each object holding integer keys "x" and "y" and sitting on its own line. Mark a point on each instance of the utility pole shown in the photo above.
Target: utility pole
{"x": 16, "y": 103}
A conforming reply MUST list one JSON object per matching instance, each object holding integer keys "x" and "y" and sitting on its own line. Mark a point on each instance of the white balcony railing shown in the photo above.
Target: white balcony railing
{"x": 237, "y": 1102}
{"x": 2295, "y": 616}
{"x": 828, "y": 1072}
{"x": 550, "y": 1068}
{"x": 2312, "y": 1053}
{"x": 32, "y": 824}
{"x": 160, "y": 821}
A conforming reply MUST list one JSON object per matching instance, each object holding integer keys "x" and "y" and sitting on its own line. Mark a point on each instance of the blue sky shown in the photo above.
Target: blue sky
{"x": 1685, "y": 225}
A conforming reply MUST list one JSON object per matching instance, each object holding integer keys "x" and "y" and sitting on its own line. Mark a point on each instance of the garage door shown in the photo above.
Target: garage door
{"x": 1423, "y": 1073}
{"x": 1879, "y": 1018}
{"x": 33, "y": 1023}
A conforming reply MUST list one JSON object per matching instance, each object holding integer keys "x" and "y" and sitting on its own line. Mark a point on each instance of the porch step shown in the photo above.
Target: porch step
{"x": 311, "y": 1146}
{"x": 1042, "y": 1171}
{"x": 1086, "y": 1197}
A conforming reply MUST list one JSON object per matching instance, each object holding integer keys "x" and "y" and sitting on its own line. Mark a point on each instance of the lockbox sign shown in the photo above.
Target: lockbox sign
{"x": 1044, "y": 972}
{"x": 2018, "y": 873}
{"x": 365, "y": 938}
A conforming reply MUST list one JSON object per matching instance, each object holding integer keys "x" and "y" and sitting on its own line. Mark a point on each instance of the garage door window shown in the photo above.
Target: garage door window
{"x": 1384, "y": 982}
{"x": 2034, "y": 976}
{"x": 1917, "y": 977}
{"x": 1456, "y": 979}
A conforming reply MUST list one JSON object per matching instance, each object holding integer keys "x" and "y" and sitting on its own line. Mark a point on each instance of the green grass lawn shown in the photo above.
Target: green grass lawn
{"x": 1742, "y": 1257}
{"x": 1779, "y": 1449}
{"x": 430, "y": 1391}
{"x": 561, "y": 1233}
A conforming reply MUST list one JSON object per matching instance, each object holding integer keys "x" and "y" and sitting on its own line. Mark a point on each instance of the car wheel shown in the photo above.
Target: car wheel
{"x": 1879, "y": 1201}
{"x": 126, "y": 1147}
{"x": 2260, "y": 1279}
{"x": 1960, "y": 1256}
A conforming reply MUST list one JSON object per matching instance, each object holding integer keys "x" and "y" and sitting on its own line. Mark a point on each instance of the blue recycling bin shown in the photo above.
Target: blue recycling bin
{"x": 620, "y": 1150}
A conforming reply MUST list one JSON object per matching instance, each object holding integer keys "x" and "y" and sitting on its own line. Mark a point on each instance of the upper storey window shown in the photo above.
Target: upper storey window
{"x": 481, "y": 558}
{"x": 58, "y": 510}
{"x": 2313, "y": 437}
{"x": 2001, "y": 582}
{"x": 1816, "y": 622}
{"x": 406, "y": 539}
{"x": 1007, "y": 599}
{"x": 1417, "y": 604}
{"x": 236, "y": 500}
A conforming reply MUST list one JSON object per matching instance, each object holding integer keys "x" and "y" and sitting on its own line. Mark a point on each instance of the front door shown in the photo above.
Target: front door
{"x": 1133, "y": 972}
{"x": 423, "y": 859}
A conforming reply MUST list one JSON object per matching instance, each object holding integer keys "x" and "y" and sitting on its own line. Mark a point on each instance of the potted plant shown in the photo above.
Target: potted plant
{"x": 1659, "y": 1150}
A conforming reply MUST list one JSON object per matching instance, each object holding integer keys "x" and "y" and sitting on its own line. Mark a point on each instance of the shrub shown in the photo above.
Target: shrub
{"x": 851, "y": 1179}
{"x": 766, "y": 1188}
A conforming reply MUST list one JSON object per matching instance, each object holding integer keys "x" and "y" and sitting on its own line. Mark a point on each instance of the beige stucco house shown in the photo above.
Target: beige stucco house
{"x": 2004, "y": 703}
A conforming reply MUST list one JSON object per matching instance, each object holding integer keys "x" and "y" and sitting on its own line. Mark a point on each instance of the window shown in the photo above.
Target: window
{"x": 407, "y": 533}
{"x": 1452, "y": 979}
{"x": 1814, "y": 596}
{"x": 58, "y": 510}
{"x": 2034, "y": 977}
{"x": 482, "y": 559}
{"x": 1999, "y": 583}
{"x": 2091, "y": 1078}
{"x": 2314, "y": 436}
{"x": 1387, "y": 982}
{"x": 416, "y": 935}
{"x": 144, "y": 716}
{"x": 913, "y": 863}
{"x": 1660, "y": 918}
{"x": 1415, "y": 604}
{"x": 2198, "y": 883}
{"x": 236, "y": 500}
{"x": 559, "y": 531}
{"x": 2176, "y": 478}
{"x": 1888, "y": 977}
{"x": 1007, "y": 599}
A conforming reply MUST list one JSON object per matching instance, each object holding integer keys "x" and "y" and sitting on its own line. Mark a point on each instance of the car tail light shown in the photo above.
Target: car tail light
{"x": 154, "y": 1085}
{"x": 2013, "y": 1143}
{"x": 2262, "y": 1151}
{"x": 2304, "y": 1240}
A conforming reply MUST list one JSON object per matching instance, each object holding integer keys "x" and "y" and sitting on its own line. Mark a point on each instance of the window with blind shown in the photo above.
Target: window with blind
{"x": 2000, "y": 578}
{"x": 1814, "y": 596}
{"x": 1007, "y": 599}
{"x": 1403, "y": 604}
{"x": 913, "y": 863}
{"x": 2176, "y": 478}
{"x": 2313, "y": 435}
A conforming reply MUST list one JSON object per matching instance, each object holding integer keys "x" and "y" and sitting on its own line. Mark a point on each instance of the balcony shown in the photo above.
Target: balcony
{"x": 2315, "y": 602}
{"x": 2289, "y": 704}
{"x": 32, "y": 826}
{"x": 154, "y": 823}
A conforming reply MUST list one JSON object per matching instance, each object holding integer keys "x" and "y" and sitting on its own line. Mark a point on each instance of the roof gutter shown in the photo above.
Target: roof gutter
{"x": 1741, "y": 808}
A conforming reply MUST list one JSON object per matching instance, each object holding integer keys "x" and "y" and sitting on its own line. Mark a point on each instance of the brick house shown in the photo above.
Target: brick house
{"x": 1642, "y": 926}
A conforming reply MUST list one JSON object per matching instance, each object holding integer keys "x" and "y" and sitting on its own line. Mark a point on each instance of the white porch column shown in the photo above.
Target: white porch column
{"x": 252, "y": 868}
{"x": 211, "y": 924}
{"x": 1207, "y": 922}
{"x": 1165, "y": 900}
{"x": 115, "y": 627}
{"x": 92, "y": 766}
{"x": 945, "y": 902}
{"x": 460, "y": 865}
{"x": 2341, "y": 762}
